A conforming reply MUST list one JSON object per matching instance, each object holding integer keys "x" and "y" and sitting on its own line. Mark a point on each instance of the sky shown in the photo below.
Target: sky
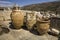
{"x": 23, "y": 2}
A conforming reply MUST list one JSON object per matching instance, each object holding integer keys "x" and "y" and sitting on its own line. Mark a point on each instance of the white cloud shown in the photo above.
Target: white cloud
{"x": 5, "y": 2}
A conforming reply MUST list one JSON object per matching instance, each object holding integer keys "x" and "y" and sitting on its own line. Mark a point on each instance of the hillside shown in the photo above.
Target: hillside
{"x": 53, "y": 6}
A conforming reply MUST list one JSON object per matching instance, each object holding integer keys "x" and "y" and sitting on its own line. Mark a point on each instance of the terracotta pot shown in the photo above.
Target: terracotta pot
{"x": 17, "y": 18}
{"x": 42, "y": 27}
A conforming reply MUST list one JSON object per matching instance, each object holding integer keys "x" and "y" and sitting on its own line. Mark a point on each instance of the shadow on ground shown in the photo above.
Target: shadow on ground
{"x": 4, "y": 30}
{"x": 33, "y": 31}
{"x": 59, "y": 37}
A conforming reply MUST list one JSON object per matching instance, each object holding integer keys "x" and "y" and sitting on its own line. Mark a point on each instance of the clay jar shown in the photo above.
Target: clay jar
{"x": 17, "y": 18}
{"x": 42, "y": 27}
{"x": 31, "y": 20}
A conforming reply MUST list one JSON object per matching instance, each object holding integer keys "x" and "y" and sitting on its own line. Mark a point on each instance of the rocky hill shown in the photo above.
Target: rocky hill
{"x": 53, "y": 6}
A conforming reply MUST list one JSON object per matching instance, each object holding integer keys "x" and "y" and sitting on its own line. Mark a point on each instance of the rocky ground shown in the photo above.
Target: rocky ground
{"x": 9, "y": 33}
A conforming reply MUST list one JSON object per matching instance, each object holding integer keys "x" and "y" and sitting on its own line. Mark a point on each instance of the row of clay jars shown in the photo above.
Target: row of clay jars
{"x": 17, "y": 18}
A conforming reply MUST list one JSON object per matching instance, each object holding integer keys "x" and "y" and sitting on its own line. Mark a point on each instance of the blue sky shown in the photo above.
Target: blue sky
{"x": 24, "y": 2}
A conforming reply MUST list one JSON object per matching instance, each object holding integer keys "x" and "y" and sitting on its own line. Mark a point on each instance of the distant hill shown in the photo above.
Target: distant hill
{"x": 53, "y": 6}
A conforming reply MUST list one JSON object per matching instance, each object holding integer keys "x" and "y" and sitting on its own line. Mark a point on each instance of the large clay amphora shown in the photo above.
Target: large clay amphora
{"x": 31, "y": 20}
{"x": 17, "y": 18}
{"x": 42, "y": 27}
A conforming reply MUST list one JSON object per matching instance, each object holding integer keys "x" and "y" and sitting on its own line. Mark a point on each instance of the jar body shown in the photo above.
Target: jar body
{"x": 31, "y": 20}
{"x": 42, "y": 27}
{"x": 17, "y": 18}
